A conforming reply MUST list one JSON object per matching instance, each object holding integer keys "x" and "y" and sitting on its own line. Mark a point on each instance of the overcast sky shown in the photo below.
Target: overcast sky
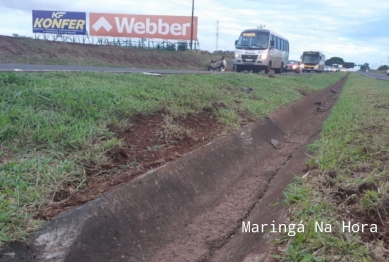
{"x": 356, "y": 30}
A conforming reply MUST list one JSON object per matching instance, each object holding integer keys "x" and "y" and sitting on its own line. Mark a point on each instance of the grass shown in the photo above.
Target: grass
{"x": 156, "y": 60}
{"x": 379, "y": 71}
{"x": 348, "y": 179}
{"x": 51, "y": 124}
{"x": 32, "y": 51}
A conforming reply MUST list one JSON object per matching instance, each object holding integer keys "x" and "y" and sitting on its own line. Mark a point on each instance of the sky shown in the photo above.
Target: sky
{"x": 355, "y": 30}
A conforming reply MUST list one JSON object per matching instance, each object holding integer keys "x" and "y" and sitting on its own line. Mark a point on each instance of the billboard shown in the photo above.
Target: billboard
{"x": 59, "y": 22}
{"x": 142, "y": 26}
{"x": 348, "y": 65}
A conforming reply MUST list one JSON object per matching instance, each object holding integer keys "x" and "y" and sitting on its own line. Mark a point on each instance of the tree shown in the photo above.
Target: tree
{"x": 334, "y": 60}
{"x": 383, "y": 67}
{"x": 20, "y": 36}
{"x": 365, "y": 66}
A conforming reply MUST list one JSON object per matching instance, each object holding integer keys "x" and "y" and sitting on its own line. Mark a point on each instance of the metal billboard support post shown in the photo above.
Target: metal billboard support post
{"x": 191, "y": 27}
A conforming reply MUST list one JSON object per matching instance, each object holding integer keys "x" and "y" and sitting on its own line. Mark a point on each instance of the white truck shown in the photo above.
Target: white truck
{"x": 337, "y": 67}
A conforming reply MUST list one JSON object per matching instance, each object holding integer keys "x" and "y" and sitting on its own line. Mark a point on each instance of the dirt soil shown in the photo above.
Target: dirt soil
{"x": 35, "y": 51}
{"x": 150, "y": 141}
{"x": 208, "y": 201}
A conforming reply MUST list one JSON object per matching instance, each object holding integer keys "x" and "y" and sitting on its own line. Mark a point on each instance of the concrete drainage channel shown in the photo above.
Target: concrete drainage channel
{"x": 192, "y": 209}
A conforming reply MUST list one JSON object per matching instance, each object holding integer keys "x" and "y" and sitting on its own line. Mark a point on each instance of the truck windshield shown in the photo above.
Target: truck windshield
{"x": 310, "y": 59}
{"x": 253, "y": 40}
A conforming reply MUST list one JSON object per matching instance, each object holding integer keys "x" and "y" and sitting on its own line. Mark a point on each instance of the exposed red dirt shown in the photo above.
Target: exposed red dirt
{"x": 195, "y": 205}
{"x": 149, "y": 141}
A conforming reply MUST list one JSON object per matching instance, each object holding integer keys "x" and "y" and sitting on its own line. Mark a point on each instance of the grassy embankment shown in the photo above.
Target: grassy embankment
{"x": 379, "y": 71}
{"x": 348, "y": 181}
{"x": 53, "y": 123}
{"x": 32, "y": 51}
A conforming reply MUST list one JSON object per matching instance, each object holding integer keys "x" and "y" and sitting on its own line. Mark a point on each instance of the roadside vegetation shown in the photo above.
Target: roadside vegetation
{"x": 379, "y": 71}
{"x": 43, "y": 52}
{"x": 347, "y": 181}
{"x": 53, "y": 124}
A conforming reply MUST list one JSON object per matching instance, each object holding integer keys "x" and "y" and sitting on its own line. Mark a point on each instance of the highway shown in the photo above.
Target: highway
{"x": 375, "y": 75}
{"x": 51, "y": 68}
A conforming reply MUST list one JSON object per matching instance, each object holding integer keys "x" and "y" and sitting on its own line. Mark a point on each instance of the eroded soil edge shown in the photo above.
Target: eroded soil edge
{"x": 191, "y": 209}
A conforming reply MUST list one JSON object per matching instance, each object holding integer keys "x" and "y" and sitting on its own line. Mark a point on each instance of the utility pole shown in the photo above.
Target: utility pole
{"x": 217, "y": 33}
{"x": 191, "y": 27}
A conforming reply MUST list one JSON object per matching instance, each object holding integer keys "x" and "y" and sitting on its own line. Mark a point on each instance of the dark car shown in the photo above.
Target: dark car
{"x": 293, "y": 66}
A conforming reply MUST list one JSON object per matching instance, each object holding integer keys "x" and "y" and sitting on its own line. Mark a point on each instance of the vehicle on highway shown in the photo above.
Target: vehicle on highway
{"x": 218, "y": 65}
{"x": 313, "y": 61}
{"x": 387, "y": 72}
{"x": 293, "y": 66}
{"x": 327, "y": 69}
{"x": 261, "y": 49}
{"x": 337, "y": 67}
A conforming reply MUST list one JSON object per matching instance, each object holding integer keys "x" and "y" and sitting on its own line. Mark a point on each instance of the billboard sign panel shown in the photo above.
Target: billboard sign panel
{"x": 348, "y": 65}
{"x": 142, "y": 26}
{"x": 59, "y": 22}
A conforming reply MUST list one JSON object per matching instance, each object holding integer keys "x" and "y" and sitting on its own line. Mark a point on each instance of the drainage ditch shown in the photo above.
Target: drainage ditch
{"x": 192, "y": 209}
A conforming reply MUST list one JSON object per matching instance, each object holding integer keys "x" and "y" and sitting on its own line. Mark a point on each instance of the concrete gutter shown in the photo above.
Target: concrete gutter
{"x": 136, "y": 219}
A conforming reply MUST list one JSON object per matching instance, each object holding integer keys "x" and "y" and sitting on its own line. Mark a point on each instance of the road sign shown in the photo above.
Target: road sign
{"x": 348, "y": 65}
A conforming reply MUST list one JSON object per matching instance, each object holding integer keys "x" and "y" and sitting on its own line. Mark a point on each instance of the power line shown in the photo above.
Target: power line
{"x": 232, "y": 11}
{"x": 197, "y": 10}
{"x": 178, "y": 3}
{"x": 210, "y": 16}
{"x": 217, "y": 33}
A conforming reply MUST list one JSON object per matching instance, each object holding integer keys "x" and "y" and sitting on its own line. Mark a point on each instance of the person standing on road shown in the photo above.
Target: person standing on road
{"x": 224, "y": 63}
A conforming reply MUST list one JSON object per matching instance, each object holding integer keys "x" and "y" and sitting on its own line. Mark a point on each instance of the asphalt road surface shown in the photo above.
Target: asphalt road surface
{"x": 49, "y": 68}
{"x": 375, "y": 75}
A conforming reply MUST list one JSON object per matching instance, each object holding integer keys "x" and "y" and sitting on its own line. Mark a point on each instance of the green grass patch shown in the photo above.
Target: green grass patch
{"x": 348, "y": 179}
{"x": 53, "y": 123}
{"x": 379, "y": 71}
